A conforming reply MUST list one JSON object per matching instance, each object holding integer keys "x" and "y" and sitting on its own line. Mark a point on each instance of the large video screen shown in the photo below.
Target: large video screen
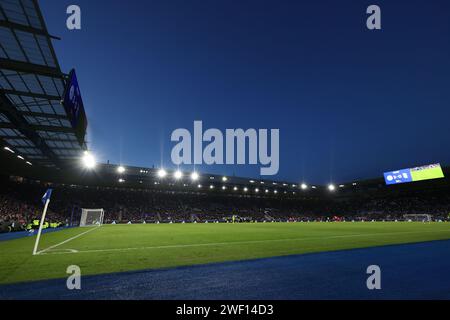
{"x": 73, "y": 103}
{"x": 428, "y": 172}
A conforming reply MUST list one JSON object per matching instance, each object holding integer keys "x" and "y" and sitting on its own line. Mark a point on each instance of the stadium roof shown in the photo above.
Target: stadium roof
{"x": 33, "y": 121}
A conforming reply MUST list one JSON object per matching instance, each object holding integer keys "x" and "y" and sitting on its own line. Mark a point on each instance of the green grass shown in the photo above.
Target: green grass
{"x": 133, "y": 247}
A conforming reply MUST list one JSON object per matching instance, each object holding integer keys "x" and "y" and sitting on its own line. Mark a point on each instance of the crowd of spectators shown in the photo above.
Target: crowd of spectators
{"x": 20, "y": 204}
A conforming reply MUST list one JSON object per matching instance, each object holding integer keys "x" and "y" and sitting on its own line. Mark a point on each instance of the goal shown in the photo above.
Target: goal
{"x": 91, "y": 217}
{"x": 418, "y": 217}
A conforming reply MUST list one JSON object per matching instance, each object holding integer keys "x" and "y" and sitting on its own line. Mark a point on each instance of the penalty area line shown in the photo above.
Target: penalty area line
{"x": 244, "y": 242}
{"x": 66, "y": 241}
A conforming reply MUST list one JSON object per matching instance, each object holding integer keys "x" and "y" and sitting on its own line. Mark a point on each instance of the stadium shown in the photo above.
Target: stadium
{"x": 173, "y": 234}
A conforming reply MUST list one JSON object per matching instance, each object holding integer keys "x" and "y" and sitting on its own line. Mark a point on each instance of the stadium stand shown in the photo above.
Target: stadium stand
{"x": 20, "y": 205}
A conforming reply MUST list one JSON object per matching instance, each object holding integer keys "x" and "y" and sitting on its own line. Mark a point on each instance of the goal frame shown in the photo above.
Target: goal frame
{"x": 419, "y": 217}
{"x": 84, "y": 215}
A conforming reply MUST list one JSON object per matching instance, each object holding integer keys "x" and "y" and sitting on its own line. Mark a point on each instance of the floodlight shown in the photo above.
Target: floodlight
{"x": 245, "y": 189}
{"x": 276, "y": 191}
{"x": 121, "y": 181}
{"x": 21, "y": 158}
{"x": 194, "y": 176}
{"x": 199, "y": 186}
{"x": 29, "y": 163}
{"x": 256, "y": 190}
{"x": 304, "y": 186}
{"x": 224, "y": 179}
{"x": 88, "y": 160}
{"x": 162, "y": 173}
{"x": 331, "y": 187}
{"x": 8, "y": 149}
{"x": 235, "y": 188}
{"x": 178, "y": 175}
{"x": 211, "y": 187}
{"x": 120, "y": 169}
{"x": 224, "y": 188}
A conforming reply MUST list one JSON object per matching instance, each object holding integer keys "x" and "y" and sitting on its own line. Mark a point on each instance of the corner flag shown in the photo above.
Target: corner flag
{"x": 47, "y": 195}
{"x": 45, "y": 200}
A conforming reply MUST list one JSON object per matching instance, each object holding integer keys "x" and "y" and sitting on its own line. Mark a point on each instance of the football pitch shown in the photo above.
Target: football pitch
{"x": 120, "y": 248}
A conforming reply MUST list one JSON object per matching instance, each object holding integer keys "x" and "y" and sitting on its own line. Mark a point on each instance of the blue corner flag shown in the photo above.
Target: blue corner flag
{"x": 47, "y": 195}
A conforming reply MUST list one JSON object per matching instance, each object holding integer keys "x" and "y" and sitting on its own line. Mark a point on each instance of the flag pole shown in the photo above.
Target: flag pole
{"x": 40, "y": 227}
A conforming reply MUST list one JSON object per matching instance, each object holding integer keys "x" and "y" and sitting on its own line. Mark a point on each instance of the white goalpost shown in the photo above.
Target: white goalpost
{"x": 418, "y": 217}
{"x": 91, "y": 217}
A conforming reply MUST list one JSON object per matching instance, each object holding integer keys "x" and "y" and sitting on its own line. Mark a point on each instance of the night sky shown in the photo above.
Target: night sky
{"x": 350, "y": 103}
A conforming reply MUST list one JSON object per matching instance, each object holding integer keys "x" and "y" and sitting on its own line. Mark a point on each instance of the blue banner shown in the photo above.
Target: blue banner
{"x": 73, "y": 102}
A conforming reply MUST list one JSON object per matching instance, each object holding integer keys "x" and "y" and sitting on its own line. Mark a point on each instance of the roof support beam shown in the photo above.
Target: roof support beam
{"x": 26, "y": 67}
{"x": 46, "y": 115}
{"x": 31, "y": 94}
{"x": 52, "y": 129}
{"x": 21, "y": 27}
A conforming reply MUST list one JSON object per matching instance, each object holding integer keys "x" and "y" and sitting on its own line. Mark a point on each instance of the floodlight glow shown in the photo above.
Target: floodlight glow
{"x": 256, "y": 190}
{"x": 331, "y": 187}
{"x": 120, "y": 169}
{"x": 304, "y": 186}
{"x": 21, "y": 158}
{"x": 211, "y": 187}
{"x": 235, "y": 188}
{"x": 162, "y": 173}
{"x": 121, "y": 181}
{"x": 224, "y": 179}
{"x": 8, "y": 149}
{"x": 194, "y": 176}
{"x": 267, "y": 190}
{"x": 224, "y": 188}
{"x": 88, "y": 160}
{"x": 276, "y": 191}
{"x": 178, "y": 175}
{"x": 245, "y": 189}
{"x": 199, "y": 186}
{"x": 29, "y": 163}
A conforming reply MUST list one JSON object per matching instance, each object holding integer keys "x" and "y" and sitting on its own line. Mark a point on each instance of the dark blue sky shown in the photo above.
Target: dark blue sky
{"x": 350, "y": 103}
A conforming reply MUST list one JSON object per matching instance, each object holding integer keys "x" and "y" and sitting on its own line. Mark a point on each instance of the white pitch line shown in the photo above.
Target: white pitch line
{"x": 244, "y": 242}
{"x": 68, "y": 240}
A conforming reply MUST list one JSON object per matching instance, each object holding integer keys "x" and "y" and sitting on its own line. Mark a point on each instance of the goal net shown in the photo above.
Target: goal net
{"x": 418, "y": 217}
{"x": 91, "y": 217}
